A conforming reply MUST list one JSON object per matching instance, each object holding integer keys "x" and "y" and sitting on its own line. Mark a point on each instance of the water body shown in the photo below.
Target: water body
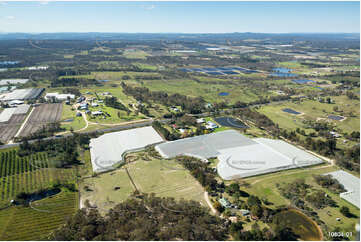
{"x": 300, "y": 224}
{"x": 291, "y": 111}
{"x": 230, "y": 122}
{"x": 335, "y": 117}
{"x": 282, "y": 72}
{"x": 45, "y": 194}
{"x": 9, "y": 62}
{"x": 223, "y": 94}
{"x": 303, "y": 81}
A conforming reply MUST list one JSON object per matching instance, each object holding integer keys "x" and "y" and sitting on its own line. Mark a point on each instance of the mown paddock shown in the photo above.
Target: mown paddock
{"x": 165, "y": 178}
{"x": 42, "y": 115}
{"x": 25, "y": 174}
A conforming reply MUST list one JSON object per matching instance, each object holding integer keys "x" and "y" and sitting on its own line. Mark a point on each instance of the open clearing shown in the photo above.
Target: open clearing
{"x": 165, "y": 178}
{"x": 312, "y": 111}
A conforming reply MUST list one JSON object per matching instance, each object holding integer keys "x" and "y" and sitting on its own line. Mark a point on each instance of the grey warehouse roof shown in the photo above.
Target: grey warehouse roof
{"x": 238, "y": 155}
{"x": 204, "y": 146}
{"x": 350, "y": 183}
{"x": 265, "y": 156}
{"x": 107, "y": 150}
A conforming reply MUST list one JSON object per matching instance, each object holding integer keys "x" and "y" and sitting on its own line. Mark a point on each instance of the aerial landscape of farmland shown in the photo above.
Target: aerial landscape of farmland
{"x": 215, "y": 133}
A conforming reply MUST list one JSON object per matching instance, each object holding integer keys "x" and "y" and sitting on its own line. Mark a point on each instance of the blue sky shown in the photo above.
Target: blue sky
{"x": 185, "y": 17}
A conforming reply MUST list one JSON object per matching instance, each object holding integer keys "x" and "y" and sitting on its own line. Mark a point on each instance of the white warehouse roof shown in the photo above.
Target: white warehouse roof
{"x": 350, "y": 183}
{"x": 6, "y": 114}
{"x": 107, "y": 150}
{"x": 13, "y": 81}
{"x": 265, "y": 156}
{"x": 238, "y": 155}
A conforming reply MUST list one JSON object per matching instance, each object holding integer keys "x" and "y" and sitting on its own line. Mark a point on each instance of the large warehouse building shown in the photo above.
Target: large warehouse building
{"x": 351, "y": 184}
{"x": 238, "y": 155}
{"x": 108, "y": 149}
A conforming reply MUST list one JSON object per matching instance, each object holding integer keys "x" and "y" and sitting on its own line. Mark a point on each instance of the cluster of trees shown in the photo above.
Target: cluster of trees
{"x": 299, "y": 192}
{"x": 348, "y": 158}
{"x": 165, "y": 132}
{"x": 261, "y": 120}
{"x": 64, "y": 152}
{"x": 149, "y": 218}
{"x": 114, "y": 103}
{"x": 199, "y": 170}
{"x": 143, "y": 94}
{"x": 329, "y": 182}
{"x": 73, "y": 81}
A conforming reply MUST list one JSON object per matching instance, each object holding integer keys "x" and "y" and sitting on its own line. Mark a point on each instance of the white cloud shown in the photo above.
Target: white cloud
{"x": 10, "y": 17}
{"x": 148, "y": 7}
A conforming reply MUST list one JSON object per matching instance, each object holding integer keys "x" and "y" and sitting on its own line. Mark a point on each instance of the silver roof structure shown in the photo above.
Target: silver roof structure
{"x": 350, "y": 183}
{"x": 265, "y": 156}
{"x": 238, "y": 155}
{"x": 13, "y": 81}
{"x": 108, "y": 149}
{"x": 204, "y": 146}
{"x": 22, "y": 109}
{"x": 6, "y": 114}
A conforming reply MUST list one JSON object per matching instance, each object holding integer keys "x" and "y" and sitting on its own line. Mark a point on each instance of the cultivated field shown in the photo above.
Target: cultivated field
{"x": 29, "y": 174}
{"x": 165, "y": 178}
{"x": 8, "y": 129}
{"x": 42, "y": 115}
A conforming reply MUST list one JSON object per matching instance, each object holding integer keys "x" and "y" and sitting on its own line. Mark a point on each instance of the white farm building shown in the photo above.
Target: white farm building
{"x": 58, "y": 97}
{"x": 238, "y": 155}
{"x": 108, "y": 149}
{"x": 352, "y": 185}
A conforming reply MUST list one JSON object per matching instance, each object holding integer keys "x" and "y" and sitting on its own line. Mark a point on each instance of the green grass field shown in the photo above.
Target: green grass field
{"x": 165, "y": 178}
{"x": 68, "y": 113}
{"x": 314, "y": 110}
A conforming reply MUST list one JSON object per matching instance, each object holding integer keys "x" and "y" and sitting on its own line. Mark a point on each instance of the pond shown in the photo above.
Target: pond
{"x": 26, "y": 198}
{"x": 300, "y": 224}
{"x": 282, "y": 72}
{"x": 291, "y": 111}
{"x": 223, "y": 94}
{"x": 303, "y": 81}
{"x": 230, "y": 122}
{"x": 335, "y": 117}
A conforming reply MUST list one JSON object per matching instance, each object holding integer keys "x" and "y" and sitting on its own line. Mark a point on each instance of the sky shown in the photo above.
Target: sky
{"x": 180, "y": 17}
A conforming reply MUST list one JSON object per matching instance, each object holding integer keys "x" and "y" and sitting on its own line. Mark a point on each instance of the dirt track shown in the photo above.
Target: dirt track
{"x": 42, "y": 115}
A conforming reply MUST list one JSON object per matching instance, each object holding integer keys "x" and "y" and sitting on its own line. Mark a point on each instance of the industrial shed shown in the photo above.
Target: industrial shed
{"x": 240, "y": 156}
{"x": 13, "y": 81}
{"x": 108, "y": 149}
{"x": 6, "y": 114}
{"x": 22, "y": 94}
{"x": 205, "y": 146}
{"x": 265, "y": 156}
{"x": 351, "y": 184}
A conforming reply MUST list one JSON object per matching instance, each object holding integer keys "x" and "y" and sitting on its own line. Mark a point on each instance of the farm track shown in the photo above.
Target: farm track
{"x": 42, "y": 115}
{"x": 8, "y": 129}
